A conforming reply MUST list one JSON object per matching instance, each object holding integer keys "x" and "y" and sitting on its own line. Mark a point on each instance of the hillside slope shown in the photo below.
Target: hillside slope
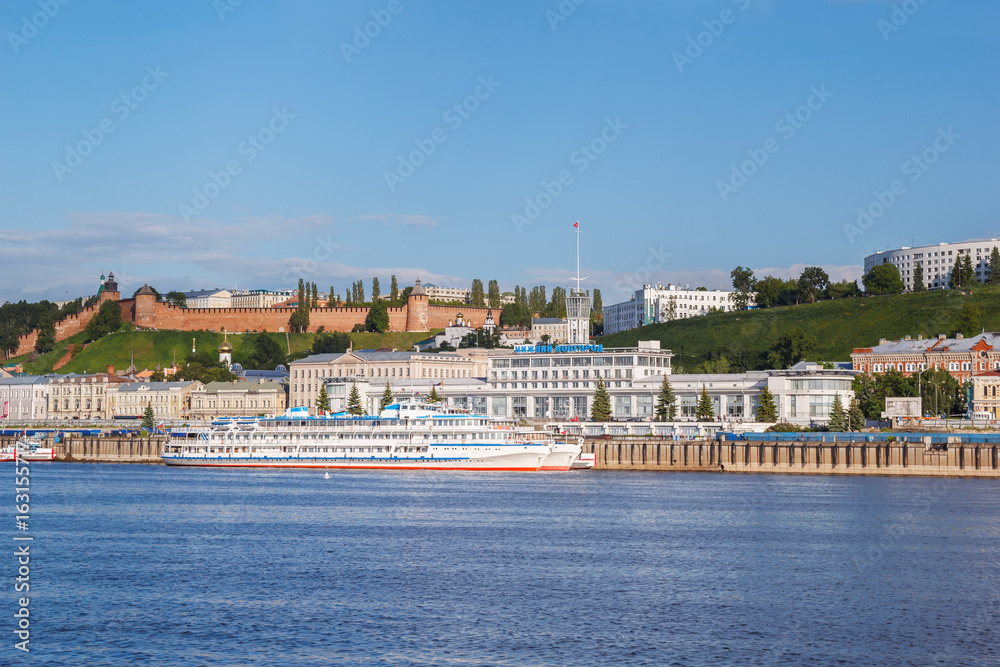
{"x": 839, "y": 326}
{"x": 163, "y": 347}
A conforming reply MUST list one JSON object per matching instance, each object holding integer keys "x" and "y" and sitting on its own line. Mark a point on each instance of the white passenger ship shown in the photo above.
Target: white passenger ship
{"x": 408, "y": 435}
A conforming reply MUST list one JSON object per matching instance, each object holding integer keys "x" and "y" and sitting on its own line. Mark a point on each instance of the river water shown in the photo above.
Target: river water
{"x": 164, "y": 566}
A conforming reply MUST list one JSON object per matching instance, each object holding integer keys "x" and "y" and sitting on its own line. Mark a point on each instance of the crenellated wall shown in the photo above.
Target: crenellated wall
{"x": 144, "y": 311}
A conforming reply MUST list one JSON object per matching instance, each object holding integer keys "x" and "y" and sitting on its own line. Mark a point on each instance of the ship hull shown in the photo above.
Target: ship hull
{"x": 516, "y": 462}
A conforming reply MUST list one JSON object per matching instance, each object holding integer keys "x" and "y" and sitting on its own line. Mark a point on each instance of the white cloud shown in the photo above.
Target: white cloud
{"x": 403, "y": 219}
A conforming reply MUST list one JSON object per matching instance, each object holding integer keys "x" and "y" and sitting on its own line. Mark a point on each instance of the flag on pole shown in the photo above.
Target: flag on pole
{"x": 577, "y": 224}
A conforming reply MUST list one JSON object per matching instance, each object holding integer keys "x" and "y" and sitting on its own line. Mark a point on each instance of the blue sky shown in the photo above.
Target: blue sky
{"x": 642, "y": 125}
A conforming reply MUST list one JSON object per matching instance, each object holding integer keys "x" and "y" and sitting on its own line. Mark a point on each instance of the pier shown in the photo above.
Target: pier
{"x": 104, "y": 449}
{"x": 926, "y": 456}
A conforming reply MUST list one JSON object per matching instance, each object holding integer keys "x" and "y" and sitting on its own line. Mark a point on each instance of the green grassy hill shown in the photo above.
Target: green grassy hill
{"x": 839, "y": 326}
{"x": 163, "y": 347}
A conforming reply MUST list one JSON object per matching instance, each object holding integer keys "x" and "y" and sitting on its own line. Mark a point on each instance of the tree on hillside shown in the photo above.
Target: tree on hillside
{"x": 46, "y": 340}
{"x": 557, "y": 306}
{"x": 176, "y": 298}
{"x": 333, "y": 342}
{"x": 259, "y": 352}
{"x": 299, "y": 321}
{"x": 918, "y": 277}
{"x": 377, "y": 319}
{"x": 666, "y": 411}
{"x": 386, "y": 399}
{"x": 791, "y": 347}
{"x": 963, "y": 275}
{"x": 705, "y": 411}
{"x": 393, "y": 289}
{"x": 323, "y": 400}
{"x": 493, "y": 294}
{"x": 767, "y": 412}
{"x": 515, "y": 315}
{"x": 969, "y": 320}
{"x": 600, "y": 409}
{"x": 838, "y": 420}
{"x": 537, "y": 300}
{"x": 148, "y": 418}
{"x": 743, "y": 283}
{"x": 354, "y": 401}
{"x": 476, "y": 296}
{"x": 883, "y": 279}
{"x": 107, "y": 320}
{"x": 993, "y": 277}
{"x": 812, "y": 280}
{"x": 842, "y": 290}
{"x": 767, "y": 291}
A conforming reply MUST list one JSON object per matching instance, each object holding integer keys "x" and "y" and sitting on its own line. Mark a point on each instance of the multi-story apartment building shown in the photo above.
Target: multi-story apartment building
{"x": 237, "y": 399}
{"x": 658, "y": 303}
{"x": 169, "y": 400}
{"x": 81, "y": 396}
{"x": 307, "y": 375}
{"x": 259, "y": 298}
{"x": 962, "y": 357}
{"x": 24, "y": 397}
{"x": 209, "y": 298}
{"x": 937, "y": 261}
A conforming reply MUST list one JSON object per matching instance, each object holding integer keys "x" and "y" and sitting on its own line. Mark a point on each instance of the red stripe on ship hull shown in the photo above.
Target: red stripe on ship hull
{"x": 242, "y": 465}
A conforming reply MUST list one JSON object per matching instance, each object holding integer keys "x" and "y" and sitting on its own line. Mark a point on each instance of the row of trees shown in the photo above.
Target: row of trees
{"x": 940, "y": 393}
{"x": 812, "y": 284}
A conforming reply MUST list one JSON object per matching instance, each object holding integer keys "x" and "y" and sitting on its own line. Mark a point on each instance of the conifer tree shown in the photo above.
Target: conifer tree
{"x": 148, "y": 418}
{"x": 766, "y": 410}
{"x": 393, "y": 290}
{"x": 666, "y": 411}
{"x": 838, "y": 421}
{"x": 323, "y": 401}
{"x": 600, "y": 410}
{"x": 918, "y": 278}
{"x": 433, "y": 397}
{"x": 993, "y": 277}
{"x": 354, "y": 401}
{"x": 387, "y": 398}
{"x": 705, "y": 412}
{"x": 332, "y": 300}
{"x": 376, "y": 290}
{"x": 855, "y": 418}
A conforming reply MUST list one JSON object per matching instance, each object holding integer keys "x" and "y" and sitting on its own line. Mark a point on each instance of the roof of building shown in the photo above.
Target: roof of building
{"x": 938, "y": 344}
{"x": 243, "y": 386}
{"x": 145, "y": 290}
{"x": 154, "y": 386}
{"x": 548, "y": 320}
{"x": 376, "y": 355}
{"x": 25, "y": 379}
{"x": 417, "y": 289}
{"x": 203, "y": 292}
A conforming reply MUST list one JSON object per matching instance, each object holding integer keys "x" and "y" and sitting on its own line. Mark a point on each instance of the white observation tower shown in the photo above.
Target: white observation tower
{"x": 578, "y": 304}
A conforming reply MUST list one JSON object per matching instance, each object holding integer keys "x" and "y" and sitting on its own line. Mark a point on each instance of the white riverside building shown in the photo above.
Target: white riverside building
{"x": 24, "y": 397}
{"x": 937, "y": 261}
{"x": 546, "y": 383}
{"x": 654, "y": 304}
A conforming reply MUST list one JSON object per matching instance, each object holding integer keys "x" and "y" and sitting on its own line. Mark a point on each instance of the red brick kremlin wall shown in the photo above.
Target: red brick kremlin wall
{"x": 145, "y": 311}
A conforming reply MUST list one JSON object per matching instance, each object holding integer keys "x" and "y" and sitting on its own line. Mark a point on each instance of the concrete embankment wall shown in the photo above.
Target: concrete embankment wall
{"x": 954, "y": 459}
{"x": 113, "y": 449}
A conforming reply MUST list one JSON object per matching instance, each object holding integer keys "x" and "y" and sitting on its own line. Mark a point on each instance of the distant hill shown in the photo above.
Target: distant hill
{"x": 163, "y": 347}
{"x": 839, "y": 326}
